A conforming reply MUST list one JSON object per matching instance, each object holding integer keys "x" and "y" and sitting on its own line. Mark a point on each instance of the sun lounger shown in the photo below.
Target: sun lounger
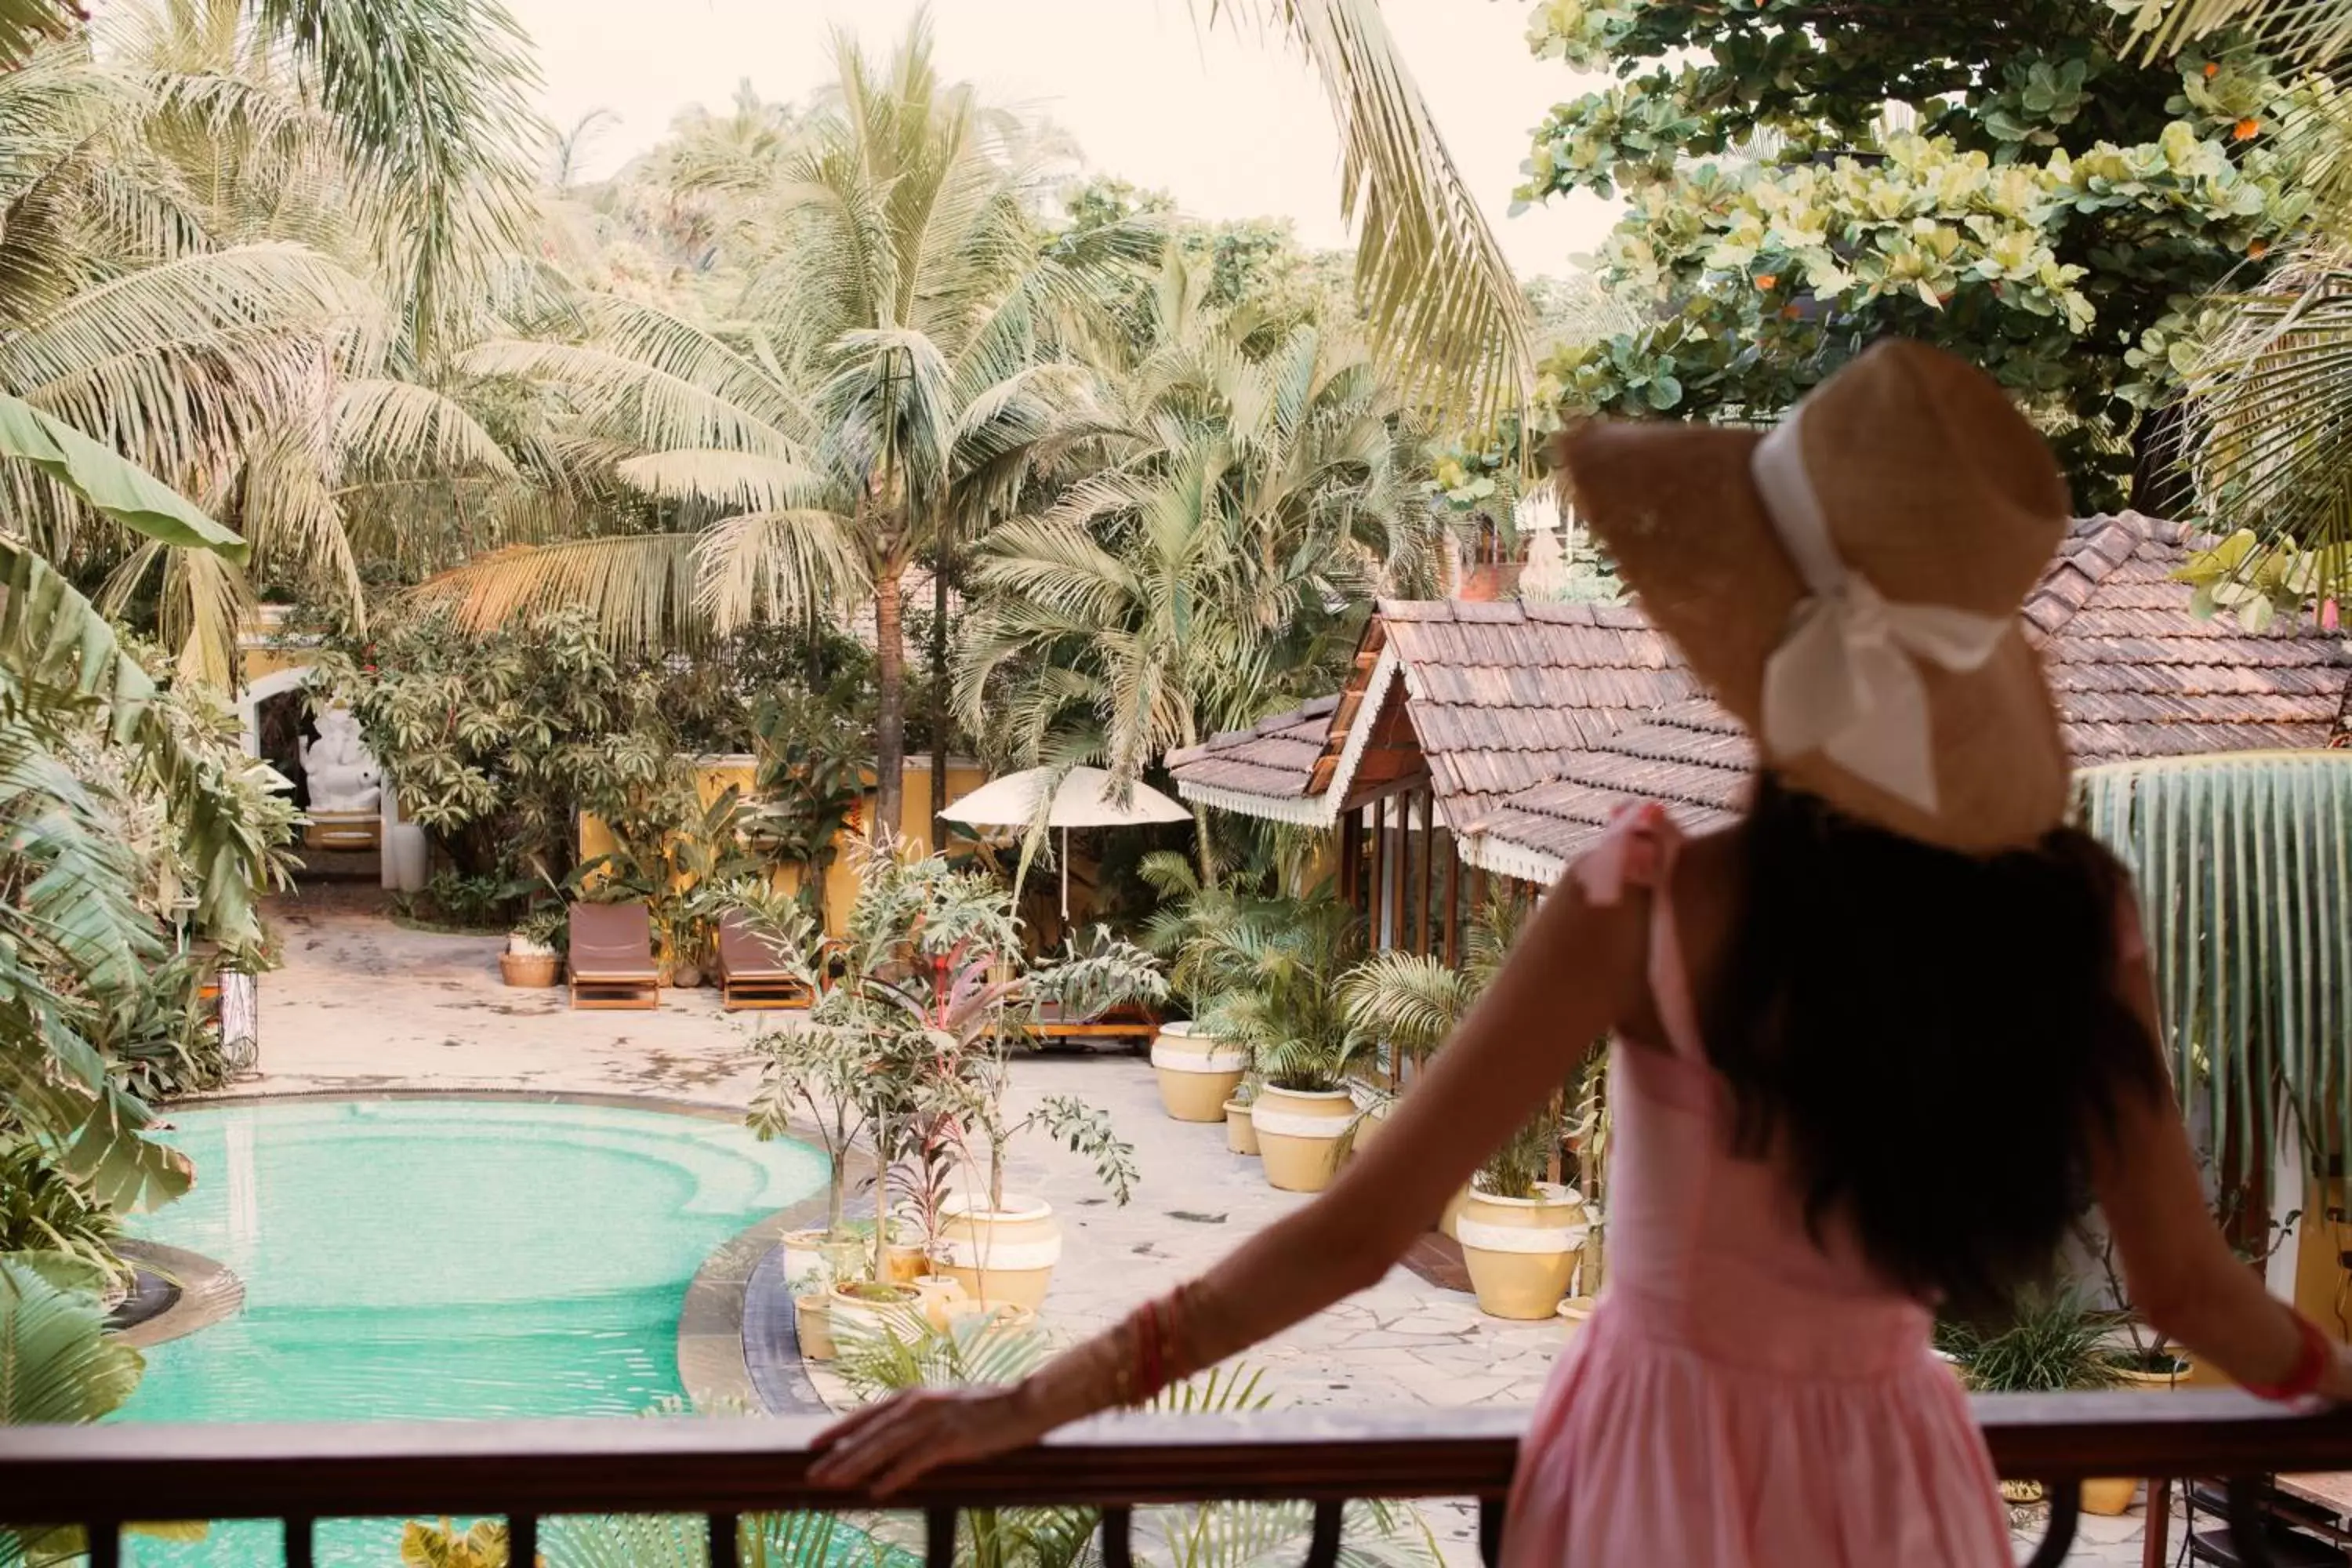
{"x": 752, "y": 971}
{"x": 611, "y": 961}
{"x": 1133, "y": 1024}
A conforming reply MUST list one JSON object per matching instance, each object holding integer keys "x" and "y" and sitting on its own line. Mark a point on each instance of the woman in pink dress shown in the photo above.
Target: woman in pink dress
{"x": 1873, "y": 1042}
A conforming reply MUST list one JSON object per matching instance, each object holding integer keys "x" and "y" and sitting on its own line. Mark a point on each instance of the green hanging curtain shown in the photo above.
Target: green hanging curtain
{"x": 2244, "y": 867}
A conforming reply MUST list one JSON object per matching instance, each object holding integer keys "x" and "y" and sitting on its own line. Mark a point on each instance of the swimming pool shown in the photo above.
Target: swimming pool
{"x": 443, "y": 1260}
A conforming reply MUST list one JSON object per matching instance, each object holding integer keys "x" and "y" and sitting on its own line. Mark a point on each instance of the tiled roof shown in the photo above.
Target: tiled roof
{"x": 2136, "y": 675}
{"x": 1274, "y": 757}
{"x": 1500, "y": 695}
{"x": 1497, "y": 694}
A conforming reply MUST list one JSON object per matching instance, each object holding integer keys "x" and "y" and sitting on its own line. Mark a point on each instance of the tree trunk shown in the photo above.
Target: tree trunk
{"x": 1207, "y": 852}
{"x": 941, "y": 563}
{"x": 890, "y": 677}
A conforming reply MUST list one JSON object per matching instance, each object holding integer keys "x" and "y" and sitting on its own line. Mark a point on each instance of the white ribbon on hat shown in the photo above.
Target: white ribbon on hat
{"x": 1843, "y": 679}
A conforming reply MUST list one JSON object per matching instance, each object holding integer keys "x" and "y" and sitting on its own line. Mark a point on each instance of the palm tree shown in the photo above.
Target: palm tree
{"x": 227, "y": 282}
{"x": 893, "y": 366}
{"x": 1250, "y": 491}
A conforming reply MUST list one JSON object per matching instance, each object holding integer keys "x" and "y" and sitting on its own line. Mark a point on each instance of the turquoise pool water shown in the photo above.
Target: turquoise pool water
{"x": 444, "y": 1259}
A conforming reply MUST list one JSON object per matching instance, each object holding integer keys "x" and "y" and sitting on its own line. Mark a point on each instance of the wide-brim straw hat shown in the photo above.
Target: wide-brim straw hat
{"x": 1849, "y": 586}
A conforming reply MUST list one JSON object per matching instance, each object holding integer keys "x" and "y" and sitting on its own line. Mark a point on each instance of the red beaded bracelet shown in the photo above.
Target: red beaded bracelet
{"x": 2303, "y": 1378}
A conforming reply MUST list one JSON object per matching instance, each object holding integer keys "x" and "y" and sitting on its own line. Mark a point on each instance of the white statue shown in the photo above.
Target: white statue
{"x": 342, "y": 777}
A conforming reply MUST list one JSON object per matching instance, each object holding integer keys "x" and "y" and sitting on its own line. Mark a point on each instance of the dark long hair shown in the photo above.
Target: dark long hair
{"x": 1932, "y": 1040}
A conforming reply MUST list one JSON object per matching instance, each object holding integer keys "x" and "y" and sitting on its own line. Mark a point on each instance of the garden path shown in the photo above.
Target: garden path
{"x": 365, "y": 1006}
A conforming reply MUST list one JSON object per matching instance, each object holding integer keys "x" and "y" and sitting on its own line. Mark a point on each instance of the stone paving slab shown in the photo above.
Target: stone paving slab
{"x": 363, "y": 1005}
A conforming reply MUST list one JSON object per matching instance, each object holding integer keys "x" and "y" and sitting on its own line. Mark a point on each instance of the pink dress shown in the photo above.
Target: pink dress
{"x": 1741, "y": 1397}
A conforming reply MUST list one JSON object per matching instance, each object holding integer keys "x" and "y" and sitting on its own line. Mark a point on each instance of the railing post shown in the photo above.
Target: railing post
{"x": 300, "y": 1552}
{"x": 939, "y": 1537}
{"x": 1491, "y": 1513}
{"x": 726, "y": 1550}
{"x": 105, "y": 1543}
{"x": 1119, "y": 1538}
{"x": 1323, "y": 1548}
{"x": 522, "y": 1539}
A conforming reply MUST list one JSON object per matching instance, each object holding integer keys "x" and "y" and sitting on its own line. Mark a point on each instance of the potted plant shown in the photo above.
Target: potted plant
{"x": 930, "y": 989}
{"x": 817, "y": 1074}
{"x": 1404, "y": 1007}
{"x": 534, "y": 954}
{"x": 1004, "y": 1247}
{"x": 1275, "y": 974}
{"x": 2050, "y": 1341}
{"x": 1241, "y": 1127}
{"x": 1521, "y": 1236}
{"x": 1199, "y": 1074}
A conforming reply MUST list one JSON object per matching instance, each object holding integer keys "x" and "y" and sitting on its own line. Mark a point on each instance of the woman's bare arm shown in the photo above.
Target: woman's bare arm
{"x": 2181, "y": 1273}
{"x": 1578, "y": 970}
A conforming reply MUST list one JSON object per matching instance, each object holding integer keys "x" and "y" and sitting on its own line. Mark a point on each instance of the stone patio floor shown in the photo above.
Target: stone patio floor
{"x": 364, "y": 1005}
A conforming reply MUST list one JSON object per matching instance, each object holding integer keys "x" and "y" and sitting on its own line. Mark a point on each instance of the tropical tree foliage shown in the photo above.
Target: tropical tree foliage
{"x": 1801, "y": 178}
{"x": 2244, "y": 871}
{"x": 1245, "y": 491}
{"x": 873, "y": 400}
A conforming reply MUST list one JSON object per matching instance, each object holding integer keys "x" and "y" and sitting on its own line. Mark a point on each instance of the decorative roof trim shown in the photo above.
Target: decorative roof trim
{"x": 1304, "y": 809}
{"x": 1386, "y": 671}
{"x": 1502, "y": 858}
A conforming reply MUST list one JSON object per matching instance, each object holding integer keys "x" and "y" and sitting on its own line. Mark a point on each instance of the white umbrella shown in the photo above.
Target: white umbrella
{"x": 1080, "y": 800}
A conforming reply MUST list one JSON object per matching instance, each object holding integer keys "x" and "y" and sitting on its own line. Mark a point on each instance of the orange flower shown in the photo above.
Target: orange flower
{"x": 1765, "y": 280}
{"x": 2259, "y": 250}
{"x": 2245, "y": 127}
{"x": 2212, "y": 70}
{"x": 1790, "y": 312}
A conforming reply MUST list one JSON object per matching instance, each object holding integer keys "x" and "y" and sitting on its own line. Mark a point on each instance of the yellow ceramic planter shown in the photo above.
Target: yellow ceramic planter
{"x": 1298, "y": 1135}
{"x": 1198, "y": 1073}
{"x": 812, "y": 1322}
{"x": 2111, "y": 1494}
{"x": 1574, "y": 1313}
{"x": 1000, "y": 1255}
{"x": 1452, "y": 1217}
{"x": 1240, "y": 1132}
{"x": 1521, "y": 1252}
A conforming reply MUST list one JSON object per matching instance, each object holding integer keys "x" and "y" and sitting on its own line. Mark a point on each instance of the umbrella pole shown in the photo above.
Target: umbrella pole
{"x": 1066, "y": 881}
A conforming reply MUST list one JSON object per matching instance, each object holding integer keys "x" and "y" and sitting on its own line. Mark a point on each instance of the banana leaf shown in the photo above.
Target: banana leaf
{"x": 110, "y": 482}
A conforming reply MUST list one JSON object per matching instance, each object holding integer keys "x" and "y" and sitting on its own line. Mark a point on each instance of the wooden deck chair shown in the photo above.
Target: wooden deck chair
{"x": 752, "y": 971}
{"x": 611, "y": 961}
{"x": 1126, "y": 1024}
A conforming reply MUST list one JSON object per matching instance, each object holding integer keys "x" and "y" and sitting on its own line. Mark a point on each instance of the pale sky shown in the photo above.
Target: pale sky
{"x": 1232, "y": 125}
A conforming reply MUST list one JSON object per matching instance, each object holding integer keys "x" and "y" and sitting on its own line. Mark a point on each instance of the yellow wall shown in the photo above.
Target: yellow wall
{"x": 712, "y": 776}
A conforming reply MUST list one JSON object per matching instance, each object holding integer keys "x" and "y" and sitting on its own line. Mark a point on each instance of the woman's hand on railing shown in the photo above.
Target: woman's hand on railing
{"x": 886, "y": 1446}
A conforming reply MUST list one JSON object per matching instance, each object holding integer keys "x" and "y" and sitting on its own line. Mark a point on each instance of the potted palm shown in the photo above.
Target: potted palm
{"x": 1521, "y": 1236}
{"x": 2048, "y": 1342}
{"x": 1405, "y": 1006}
{"x": 1275, "y": 973}
{"x": 1199, "y": 1074}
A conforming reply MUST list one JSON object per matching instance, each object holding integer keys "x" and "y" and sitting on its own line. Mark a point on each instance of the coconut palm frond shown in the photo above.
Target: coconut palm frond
{"x": 1430, "y": 276}
{"x": 402, "y": 427}
{"x": 778, "y": 565}
{"x": 2309, "y": 32}
{"x": 2268, "y": 419}
{"x": 641, "y": 588}
{"x": 754, "y": 482}
{"x": 433, "y": 98}
{"x": 2244, "y": 866}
